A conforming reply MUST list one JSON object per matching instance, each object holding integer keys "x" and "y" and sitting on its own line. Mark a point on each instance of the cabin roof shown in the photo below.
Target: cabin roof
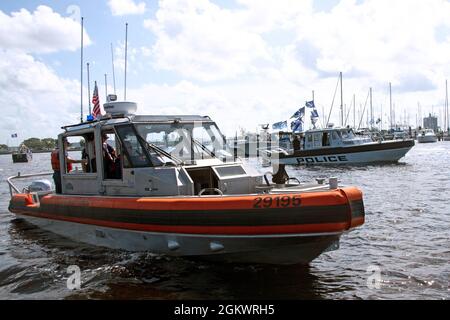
{"x": 328, "y": 130}
{"x": 137, "y": 119}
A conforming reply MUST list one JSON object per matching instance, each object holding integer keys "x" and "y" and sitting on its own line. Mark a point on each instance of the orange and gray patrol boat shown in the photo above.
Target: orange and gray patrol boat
{"x": 173, "y": 188}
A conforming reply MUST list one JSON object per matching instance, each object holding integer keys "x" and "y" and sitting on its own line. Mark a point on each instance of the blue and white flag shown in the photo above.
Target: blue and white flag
{"x": 280, "y": 125}
{"x": 297, "y": 125}
{"x": 14, "y": 135}
{"x": 314, "y": 114}
{"x": 300, "y": 113}
{"x": 310, "y": 104}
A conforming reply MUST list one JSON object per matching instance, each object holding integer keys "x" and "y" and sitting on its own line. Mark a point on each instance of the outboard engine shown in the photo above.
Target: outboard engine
{"x": 40, "y": 185}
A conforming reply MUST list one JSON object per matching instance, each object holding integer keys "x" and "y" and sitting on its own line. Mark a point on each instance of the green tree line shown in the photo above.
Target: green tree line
{"x": 37, "y": 144}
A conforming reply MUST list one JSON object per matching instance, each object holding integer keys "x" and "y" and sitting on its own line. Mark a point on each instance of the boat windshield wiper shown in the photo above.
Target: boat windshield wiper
{"x": 160, "y": 151}
{"x": 204, "y": 148}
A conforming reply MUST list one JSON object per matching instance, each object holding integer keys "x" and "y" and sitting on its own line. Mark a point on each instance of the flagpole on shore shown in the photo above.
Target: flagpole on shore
{"x": 81, "y": 107}
{"x": 113, "y": 72}
{"x": 89, "y": 89}
{"x": 126, "y": 50}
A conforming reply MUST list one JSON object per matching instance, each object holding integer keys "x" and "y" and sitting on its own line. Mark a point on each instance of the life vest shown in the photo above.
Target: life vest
{"x": 55, "y": 161}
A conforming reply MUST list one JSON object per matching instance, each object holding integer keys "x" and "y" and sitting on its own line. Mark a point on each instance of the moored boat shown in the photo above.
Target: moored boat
{"x": 176, "y": 190}
{"x": 427, "y": 136}
{"x": 23, "y": 154}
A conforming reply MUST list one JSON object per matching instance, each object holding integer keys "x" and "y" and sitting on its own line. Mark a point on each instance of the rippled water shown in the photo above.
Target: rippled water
{"x": 406, "y": 236}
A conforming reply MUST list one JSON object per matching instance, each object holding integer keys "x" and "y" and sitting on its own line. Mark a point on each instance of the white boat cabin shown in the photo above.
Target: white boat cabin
{"x": 153, "y": 156}
{"x": 333, "y": 138}
{"x": 427, "y": 132}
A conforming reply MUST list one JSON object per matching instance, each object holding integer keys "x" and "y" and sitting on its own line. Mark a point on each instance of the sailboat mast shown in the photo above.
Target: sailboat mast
{"x": 354, "y": 111}
{"x": 381, "y": 118}
{"x": 342, "y": 101}
{"x": 390, "y": 105}
{"x": 371, "y": 109}
{"x": 446, "y": 107}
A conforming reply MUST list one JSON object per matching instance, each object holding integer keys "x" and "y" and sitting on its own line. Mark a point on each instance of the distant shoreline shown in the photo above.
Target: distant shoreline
{"x": 36, "y": 151}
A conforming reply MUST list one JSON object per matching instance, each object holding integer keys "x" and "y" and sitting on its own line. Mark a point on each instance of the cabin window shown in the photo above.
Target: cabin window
{"x": 112, "y": 156}
{"x": 317, "y": 140}
{"x": 336, "y": 136}
{"x": 75, "y": 150}
{"x": 135, "y": 154}
{"x": 177, "y": 141}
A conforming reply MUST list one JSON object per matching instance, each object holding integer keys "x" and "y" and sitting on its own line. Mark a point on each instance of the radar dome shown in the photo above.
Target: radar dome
{"x": 120, "y": 108}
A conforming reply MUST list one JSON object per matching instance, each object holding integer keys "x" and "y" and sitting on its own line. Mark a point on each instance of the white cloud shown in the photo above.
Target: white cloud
{"x": 35, "y": 101}
{"x": 41, "y": 31}
{"x": 126, "y": 7}
{"x": 233, "y": 105}
{"x": 202, "y": 41}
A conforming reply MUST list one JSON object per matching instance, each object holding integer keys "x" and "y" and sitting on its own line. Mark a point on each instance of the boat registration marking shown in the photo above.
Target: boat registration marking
{"x": 277, "y": 202}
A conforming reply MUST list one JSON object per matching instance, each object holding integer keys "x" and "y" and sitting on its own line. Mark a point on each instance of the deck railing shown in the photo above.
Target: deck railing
{"x": 13, "y": 189}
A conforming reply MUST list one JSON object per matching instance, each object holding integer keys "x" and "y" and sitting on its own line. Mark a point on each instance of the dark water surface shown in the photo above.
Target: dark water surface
{"x": 406, "y": 237}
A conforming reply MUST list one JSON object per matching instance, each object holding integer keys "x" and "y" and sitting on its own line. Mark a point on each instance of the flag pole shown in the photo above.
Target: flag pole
{"x": 89, "y": 89}
{"x": 106, "y": 86}
{"x": 113, "y": 72}
{"x": 81, "y": 107}
{"x": 126, "y": 50}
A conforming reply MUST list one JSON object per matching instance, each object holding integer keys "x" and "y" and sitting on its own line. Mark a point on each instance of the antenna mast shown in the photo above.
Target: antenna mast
{"x": 106, "y": 86}
{"x": 114, "y": 74}
{"x": 81, "y": 107}
{"x": 89, "y": 89}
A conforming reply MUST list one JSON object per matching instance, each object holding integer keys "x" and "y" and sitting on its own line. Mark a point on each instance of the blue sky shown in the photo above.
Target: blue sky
{"x": 243, "y": 62}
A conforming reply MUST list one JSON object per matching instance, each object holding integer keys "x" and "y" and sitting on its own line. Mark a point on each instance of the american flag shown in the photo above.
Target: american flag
{"x": 96, "y": 102}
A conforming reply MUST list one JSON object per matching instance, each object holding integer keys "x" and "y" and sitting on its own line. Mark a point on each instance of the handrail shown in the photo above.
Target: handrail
{"x": 13, "y": 189}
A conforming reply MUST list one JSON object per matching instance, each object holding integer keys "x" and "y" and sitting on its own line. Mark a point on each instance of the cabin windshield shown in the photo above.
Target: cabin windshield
{"x": 185, "y": 141}
{"x": 349, "y": 137}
